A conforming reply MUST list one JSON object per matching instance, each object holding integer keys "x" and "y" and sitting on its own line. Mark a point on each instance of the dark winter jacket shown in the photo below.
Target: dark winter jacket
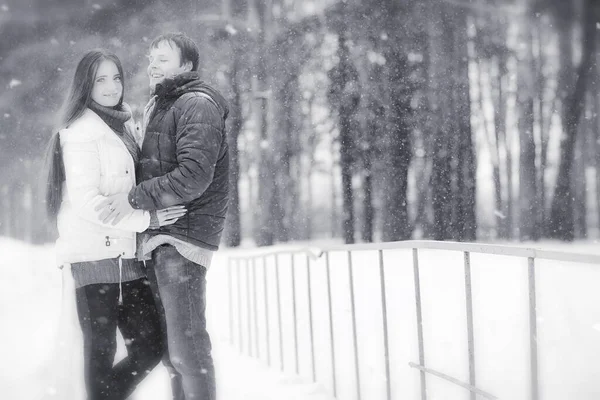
{"x": 185, "y": 160}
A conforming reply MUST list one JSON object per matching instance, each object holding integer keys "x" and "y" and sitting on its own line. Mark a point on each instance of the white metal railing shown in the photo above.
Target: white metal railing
{"x": 247, "y": 259}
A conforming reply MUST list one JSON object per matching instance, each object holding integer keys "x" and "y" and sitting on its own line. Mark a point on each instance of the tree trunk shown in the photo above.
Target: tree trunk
{"x": 346, "y": 172}
{"x": 344, "y": 95}
{"x": 494, "y": 149}
{"x": 310, "y": 150}
{"x": 510, "y": 212}
{"x": 334, "y": 195}
{"x": 527, "y": 156}
{"x": 5, "y": 211}
{"x": 368, "y": 210}
{"x": 395, "y": 213}
{"x": 283, "y": 208}
{"x": 440, "y": 47}
{"x": 543, "y": 122}
{"x": 233, "y": 226}
{"x": 374, "y": 132}
{"x": 346, "y": 141}
{"x": 266, "y": 187}
{"x": 561, "y": 224}
{"x": 395, "y": 218}
{"x": 578, "y": 180}
{"x": 596, "y": 130}
{"x": 308, "y": 205}
{"x": 467, "y": 223}
{"x": 16, "y": 225}
{"x": 502, "y": 151}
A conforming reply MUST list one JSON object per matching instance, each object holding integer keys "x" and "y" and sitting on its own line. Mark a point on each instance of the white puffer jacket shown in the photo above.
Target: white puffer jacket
{"x": 97, "y": 164}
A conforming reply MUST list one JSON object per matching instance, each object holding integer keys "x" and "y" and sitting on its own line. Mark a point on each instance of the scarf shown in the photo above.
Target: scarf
{"x": 115, "y": 118}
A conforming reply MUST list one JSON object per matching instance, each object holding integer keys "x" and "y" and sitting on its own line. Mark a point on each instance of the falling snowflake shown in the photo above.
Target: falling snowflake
{"x": 72, "y": 42}
{"x": 376, "y": 58}
{"x": 499, "y": 214}
{"x": 59, "y": 69}
{"x": 14, "y": 83}
{"x": 116, "y": 42}
{"x": 96, "y": 6}
{"x": 7, "y": 115}
{"x": 54, "y": 41}
{"x": 145, "y": 39}
{"x": 230, "y": 29}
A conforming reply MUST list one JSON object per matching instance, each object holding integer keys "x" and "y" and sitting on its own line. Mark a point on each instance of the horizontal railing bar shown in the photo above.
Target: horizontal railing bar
{"x": 453, "y": 380}
{"x": 313, "y": 252}
{"x": 493, "y": 249}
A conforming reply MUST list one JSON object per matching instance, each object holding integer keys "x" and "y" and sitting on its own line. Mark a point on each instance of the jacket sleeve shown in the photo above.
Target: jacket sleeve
{"x": 199, "y": 136}
{"x": 82, "y": 173}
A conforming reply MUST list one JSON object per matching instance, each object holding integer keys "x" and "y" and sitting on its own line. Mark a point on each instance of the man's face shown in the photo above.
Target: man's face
{"x": 165, "y": 63}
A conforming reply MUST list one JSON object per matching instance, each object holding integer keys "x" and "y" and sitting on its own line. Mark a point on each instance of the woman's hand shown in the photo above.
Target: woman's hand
{"x": 167, "y": 216}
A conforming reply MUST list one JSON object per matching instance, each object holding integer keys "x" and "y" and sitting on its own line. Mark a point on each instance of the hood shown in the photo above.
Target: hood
{"x": 188, "y": 82}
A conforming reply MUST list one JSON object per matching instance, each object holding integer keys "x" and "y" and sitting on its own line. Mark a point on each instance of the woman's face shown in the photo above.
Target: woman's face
{"x": 108, "y": 88}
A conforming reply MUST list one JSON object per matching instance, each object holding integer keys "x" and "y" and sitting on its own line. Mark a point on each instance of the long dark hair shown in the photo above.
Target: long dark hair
{"x": 78, "y": 99}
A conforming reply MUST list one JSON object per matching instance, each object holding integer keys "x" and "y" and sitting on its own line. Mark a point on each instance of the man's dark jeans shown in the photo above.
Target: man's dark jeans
{"x": 100, "y": 314}
{"x": 179, "y": 286}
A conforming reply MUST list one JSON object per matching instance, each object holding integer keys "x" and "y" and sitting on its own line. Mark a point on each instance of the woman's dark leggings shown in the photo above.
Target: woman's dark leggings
{"x": 100, "y": 314}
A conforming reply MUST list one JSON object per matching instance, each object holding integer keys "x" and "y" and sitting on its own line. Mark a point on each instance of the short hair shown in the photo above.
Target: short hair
{"x": 187, "y": 47}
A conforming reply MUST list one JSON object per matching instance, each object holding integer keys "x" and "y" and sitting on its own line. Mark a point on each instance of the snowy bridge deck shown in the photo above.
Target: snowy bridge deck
{"x": 30, "y": 298}
{"x": 381, "y": 321}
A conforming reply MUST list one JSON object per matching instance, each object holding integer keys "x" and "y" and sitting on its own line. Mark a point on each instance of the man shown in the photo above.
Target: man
{"x": 184, "y": 161}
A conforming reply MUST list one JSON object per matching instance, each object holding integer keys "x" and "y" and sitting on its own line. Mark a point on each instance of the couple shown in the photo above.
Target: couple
{"x": 171, "y": 186}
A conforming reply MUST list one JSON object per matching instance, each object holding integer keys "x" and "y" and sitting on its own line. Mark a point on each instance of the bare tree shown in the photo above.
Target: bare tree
{"x": 344, "y": 96}
{"x": 561, "y": 223}
{"x": 528, "y": 201}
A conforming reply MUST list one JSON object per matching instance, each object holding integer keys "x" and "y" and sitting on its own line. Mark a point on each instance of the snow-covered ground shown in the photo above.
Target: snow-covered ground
{"x": 30, "y": 304}
{"x": 568, "y": 326}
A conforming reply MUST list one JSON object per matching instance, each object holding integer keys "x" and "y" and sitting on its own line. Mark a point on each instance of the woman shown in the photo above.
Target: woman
{"x": 94, "y": 156}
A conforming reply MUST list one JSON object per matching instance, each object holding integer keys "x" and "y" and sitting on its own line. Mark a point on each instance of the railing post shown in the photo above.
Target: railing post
{"x": 533, "y": 331}
{"x": 388, "y": 384}
{"x": 354, "y": 334}
{"x": 248, "y": 309}
{"x": 255, "y": 310}
{"x": 239, "y": 297}
{"x": 295, "y": 316}
{"x": 267, "y": 330}
{"x": 470, "y": 334}
{"x": 331, "y": 332}
{"x": 419, "y": 322}
{"x": 279, "y": 322}
{"x": 310, "y": 321}
{"x": 230, "y": 297}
